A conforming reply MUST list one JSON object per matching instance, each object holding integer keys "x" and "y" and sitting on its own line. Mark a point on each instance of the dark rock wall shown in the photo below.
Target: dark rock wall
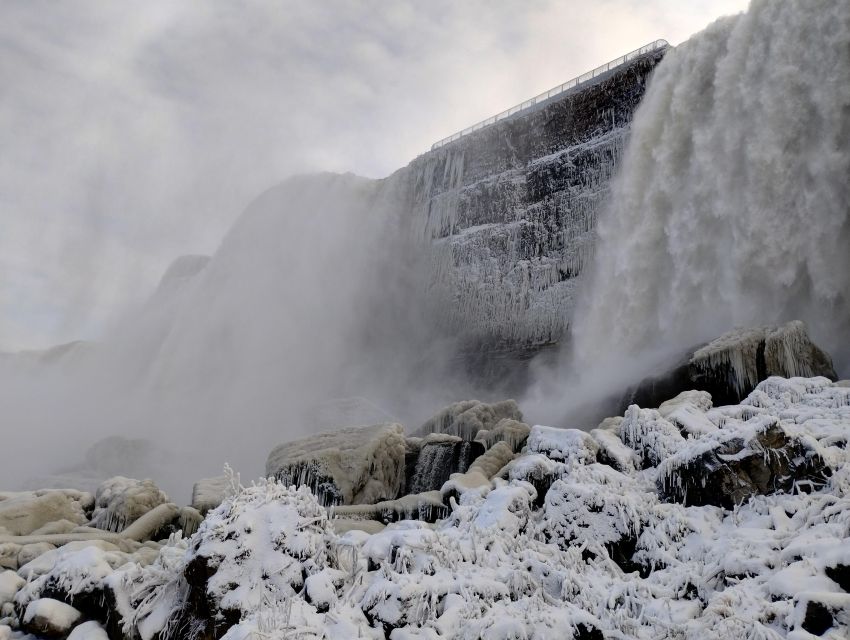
{"x": 511, "y": 210}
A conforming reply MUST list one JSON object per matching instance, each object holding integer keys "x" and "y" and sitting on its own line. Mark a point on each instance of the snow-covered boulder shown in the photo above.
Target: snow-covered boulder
{"x": 208, "y": 493}
{"x": 727, "y": 466}
{"x": 731, "y": 366}
{"x": 10, "y": 584}
{"x": 355, "y": 465}
{"x": 24, "y": 512}
{"x": 512, "y": 432}
{"x": 50, "y": 618}
{"x": 468, "y": 417}
{"x": 652, "y": 437}
{"x": 121, "y": 501}
{"x": 612, "y": 451}
{"x": 91, "y": 630}
{"x": 30, "y": 552}
{"x": 253, "y": 551}
{"x": 565, "y": 445}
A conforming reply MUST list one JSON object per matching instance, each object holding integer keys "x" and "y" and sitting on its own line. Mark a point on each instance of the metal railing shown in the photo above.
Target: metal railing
{"x": 561, "y": 88}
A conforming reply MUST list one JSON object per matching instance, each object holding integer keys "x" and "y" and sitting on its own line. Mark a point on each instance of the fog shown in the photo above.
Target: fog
{"x": 140, "y": 133}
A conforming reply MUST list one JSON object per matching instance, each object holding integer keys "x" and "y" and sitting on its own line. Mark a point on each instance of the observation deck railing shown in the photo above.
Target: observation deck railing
{"x": 555, "y": 91}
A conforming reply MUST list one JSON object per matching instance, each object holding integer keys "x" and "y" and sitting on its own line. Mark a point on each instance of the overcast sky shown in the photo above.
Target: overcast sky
{"x": 134, "y": 132}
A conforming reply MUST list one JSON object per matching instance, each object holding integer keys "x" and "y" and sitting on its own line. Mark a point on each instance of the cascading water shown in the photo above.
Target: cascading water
{"x": 732, "y": 206}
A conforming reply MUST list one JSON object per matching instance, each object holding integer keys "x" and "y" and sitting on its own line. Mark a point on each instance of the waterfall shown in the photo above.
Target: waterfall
{"x": 732, "y": 205}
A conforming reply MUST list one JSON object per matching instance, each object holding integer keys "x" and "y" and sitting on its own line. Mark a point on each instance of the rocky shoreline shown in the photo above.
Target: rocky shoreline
{"x": 688, "y": 520}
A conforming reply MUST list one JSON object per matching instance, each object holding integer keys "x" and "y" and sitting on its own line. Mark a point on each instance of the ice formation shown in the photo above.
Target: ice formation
{"x": 604, "y": 553}
{"x": 121, "y": 501}
{"x": 713, "y": 222}
{"x": 354, "y": 465}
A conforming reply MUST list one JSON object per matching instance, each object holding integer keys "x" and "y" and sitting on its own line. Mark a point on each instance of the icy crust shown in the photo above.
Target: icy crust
{"x": 355, "y": 465}
{"x": 601, "y": 555}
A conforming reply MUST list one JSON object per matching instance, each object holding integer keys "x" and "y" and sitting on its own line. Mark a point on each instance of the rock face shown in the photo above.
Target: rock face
{"x": 732, "y": 365}
{"x": 512, "y": 210}
{"x": 355, "y": 465}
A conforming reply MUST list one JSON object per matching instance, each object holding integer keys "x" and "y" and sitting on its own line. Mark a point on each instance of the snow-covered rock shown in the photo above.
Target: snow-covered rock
{"x": 596, "y": 553}
{"x": 120, "y": 501}
{"x": 50, "y": 618}
{"x": 208, "y": 493}
{"x": 91, "y": 630}
{"x": 25, "y": 512}
{"x": 439, "y": 456}
{"x": 731, "y": 366}
{"x": 565, "y": 445}
{"x": 469, "y": 417}
{"x": 355, "y": 465}
{"x": 10, "y": 584}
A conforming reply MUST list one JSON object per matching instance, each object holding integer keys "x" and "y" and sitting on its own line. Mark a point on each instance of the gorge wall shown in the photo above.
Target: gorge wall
{"x": 511, "y": 211}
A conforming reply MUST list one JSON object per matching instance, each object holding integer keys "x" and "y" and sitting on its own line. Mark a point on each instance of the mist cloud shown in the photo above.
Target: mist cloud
{"x": 136, "y": 132}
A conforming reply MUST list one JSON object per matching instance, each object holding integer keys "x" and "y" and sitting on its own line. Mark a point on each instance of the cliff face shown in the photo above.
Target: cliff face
{"x": 511, "y": 211}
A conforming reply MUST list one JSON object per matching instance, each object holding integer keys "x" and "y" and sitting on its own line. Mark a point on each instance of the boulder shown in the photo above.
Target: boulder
{"x": 30, "y": 552}
{"x": 564, "y": 445}
{"x": 467, "y": 418}
{"x": 10, "y": 584}
{"x": 731, "y": 366}
{"x": 208, "y": 493}
{"x": 725, "y": 468}
{"x": 24, "y": 512}
{"x": 121, "y": 501}
{"x": 91, "y": 630}
{"x": 50, "y": 618}
{"x": 512, "y": 432}
{"x": 355, "y": 465}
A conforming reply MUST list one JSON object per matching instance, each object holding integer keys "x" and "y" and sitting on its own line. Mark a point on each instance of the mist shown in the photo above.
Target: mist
{"x": 139, "y": 135}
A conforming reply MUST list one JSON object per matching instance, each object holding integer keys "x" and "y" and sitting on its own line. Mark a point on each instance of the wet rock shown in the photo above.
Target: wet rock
{"x": 818, "y": 618}
{"x": 439, "y": 457}
{"x": 840, "y": 574}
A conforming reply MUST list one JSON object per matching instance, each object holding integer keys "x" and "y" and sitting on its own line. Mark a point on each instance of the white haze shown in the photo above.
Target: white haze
{"x": 731, "y": 207}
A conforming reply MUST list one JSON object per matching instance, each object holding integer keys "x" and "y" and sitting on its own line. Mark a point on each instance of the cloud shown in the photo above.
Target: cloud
{"x": 136, "y": 132}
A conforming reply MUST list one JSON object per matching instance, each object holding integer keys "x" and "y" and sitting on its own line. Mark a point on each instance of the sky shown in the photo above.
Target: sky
{"x": 136, "y": 132}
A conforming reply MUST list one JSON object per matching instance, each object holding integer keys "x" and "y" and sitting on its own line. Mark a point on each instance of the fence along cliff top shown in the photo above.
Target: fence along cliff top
{"x": 569, "y": 85}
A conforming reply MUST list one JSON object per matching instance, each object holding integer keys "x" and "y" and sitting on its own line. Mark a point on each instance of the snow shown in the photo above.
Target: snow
{"x": 88, "y": 631}
{"x": 568, "y": 445}
{"x": 601, "y": 551}
{"x": 46, "y": 613}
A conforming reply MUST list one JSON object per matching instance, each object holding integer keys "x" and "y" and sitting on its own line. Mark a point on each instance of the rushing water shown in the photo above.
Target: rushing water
{"x": 732, "y": 206}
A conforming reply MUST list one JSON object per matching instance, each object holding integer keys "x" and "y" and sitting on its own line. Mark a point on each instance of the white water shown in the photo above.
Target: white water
{"x": 732, "y": 207}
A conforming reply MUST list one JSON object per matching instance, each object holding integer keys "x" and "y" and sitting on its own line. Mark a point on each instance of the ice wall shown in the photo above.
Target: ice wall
{"x": 732, "y": 207}
{"x": 511, "y": 211}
